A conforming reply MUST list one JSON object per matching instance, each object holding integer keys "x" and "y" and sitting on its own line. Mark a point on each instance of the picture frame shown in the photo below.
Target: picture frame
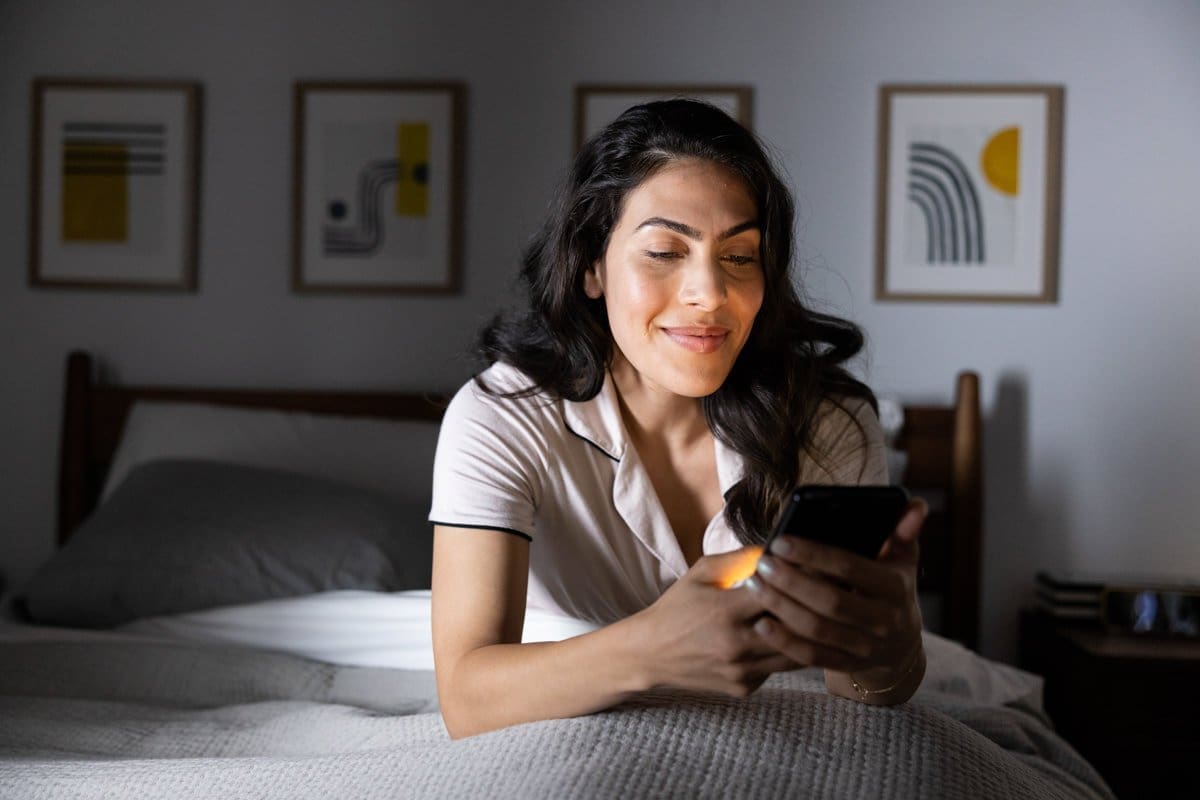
{"x": 377, "y": 194}
{"x": 115, "y": 184}
{"x": 598, "y": 104}
{"x": 969, "y": 190}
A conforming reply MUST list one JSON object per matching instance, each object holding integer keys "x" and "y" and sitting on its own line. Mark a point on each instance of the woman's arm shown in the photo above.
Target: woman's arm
{"x": 486, "y": 678}
{"x": 698, "y": 636}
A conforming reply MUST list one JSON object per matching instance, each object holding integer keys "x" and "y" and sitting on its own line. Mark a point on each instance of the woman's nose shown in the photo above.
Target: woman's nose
{"x": 703, "y": 284}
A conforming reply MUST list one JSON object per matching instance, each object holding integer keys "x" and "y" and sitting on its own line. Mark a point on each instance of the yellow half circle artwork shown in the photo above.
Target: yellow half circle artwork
{"x": 1001, "y": 160}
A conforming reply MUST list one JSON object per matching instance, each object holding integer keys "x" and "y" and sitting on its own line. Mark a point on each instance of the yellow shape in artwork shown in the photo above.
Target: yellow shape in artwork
{"x": 412, "y": 184}
{"x": 1001, "y": 160}
{"x": 95, "y": 193}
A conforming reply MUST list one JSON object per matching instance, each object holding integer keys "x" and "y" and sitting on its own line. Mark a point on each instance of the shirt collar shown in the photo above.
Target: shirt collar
{"x": 598, "y": 421}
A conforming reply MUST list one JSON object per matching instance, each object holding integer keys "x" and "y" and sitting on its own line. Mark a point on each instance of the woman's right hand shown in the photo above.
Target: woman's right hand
{"x": 698, "y": 634}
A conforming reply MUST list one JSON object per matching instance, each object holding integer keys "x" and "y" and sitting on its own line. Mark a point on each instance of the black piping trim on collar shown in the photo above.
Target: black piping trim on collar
{"x": 589, "y": 441}
{"x": 524, "y": 536}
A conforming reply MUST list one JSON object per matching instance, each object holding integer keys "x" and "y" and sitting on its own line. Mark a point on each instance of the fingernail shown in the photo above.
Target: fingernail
{"x": 763, "y": 627}
{"x": 782, "y": 546}
{"x": 753, "y": 584}
{"x": 765, "y": 567}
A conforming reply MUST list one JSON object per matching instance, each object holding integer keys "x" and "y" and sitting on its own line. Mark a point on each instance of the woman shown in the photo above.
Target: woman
{"x": 634, "y": 438}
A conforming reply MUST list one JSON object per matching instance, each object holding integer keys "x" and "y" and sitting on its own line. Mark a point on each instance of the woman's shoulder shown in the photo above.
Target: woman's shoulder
{"x": 846, "y": 443}
{"x": 501, "y": 393}
{"x": 837, "y": 416}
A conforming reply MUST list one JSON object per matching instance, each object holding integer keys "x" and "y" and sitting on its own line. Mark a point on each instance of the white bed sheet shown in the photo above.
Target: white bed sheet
{"x": 392, "y": 630}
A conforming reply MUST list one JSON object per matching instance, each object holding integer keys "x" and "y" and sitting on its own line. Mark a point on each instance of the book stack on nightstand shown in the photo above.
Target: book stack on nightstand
{"x": 1121, "y": 661}
{"x": 1068, "y": 596}
{"x": 1122, "y": 603}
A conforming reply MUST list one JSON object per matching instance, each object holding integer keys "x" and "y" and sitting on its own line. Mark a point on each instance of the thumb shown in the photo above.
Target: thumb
{"x": 902, "y": 544}
{"x": 909, "y": 527}
{"x": 725, "y": 569}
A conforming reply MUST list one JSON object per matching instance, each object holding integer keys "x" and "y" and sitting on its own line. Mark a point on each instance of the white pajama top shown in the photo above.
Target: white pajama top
{"x": 564, "y": 476}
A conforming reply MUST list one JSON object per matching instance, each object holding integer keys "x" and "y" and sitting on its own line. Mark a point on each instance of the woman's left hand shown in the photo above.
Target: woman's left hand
{"x": 828, "y": 607}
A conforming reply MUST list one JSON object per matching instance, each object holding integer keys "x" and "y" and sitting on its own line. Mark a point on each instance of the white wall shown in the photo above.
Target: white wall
{"x": 1091, "y": 442}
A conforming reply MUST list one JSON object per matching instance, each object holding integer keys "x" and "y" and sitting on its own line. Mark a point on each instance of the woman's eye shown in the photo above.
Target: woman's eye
{"x": 740, "y": 260}
{"x": 663, "y": 255}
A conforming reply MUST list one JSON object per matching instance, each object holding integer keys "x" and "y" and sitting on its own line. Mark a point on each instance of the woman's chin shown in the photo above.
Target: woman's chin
{"x": 697, "y": 384}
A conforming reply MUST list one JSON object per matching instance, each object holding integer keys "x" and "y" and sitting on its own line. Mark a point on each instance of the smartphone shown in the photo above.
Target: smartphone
{"x": 857, "y": 518}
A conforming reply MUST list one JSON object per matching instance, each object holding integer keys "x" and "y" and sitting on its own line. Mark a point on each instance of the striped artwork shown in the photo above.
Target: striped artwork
{"x": 98, "y": 161}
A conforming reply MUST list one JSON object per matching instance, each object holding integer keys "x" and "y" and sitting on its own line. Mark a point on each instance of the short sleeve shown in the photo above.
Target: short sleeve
{"x": 485, "y": 472}
{"x": 848, "y": 446}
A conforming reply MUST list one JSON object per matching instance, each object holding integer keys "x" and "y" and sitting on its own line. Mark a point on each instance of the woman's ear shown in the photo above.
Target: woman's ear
{"x": 593, "y": 286}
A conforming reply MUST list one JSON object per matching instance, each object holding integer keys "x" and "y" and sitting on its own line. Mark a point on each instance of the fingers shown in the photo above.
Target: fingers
{"x": 826, "y": 599}
{"x": 804, "y": 623}
{"x": 754, "y": 651}
{"x": 804, "y": 651}
{"x": 742, "y": 604}
{"x": 774, "y": 662}
{"x": 872, "y": 577}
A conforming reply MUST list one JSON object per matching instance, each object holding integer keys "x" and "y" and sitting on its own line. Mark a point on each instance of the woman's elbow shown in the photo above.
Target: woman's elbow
{"x": 460, "y": 712}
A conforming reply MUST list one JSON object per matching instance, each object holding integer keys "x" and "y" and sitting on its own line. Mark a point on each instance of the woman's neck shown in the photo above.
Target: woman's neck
{"x": 654, "y": 415}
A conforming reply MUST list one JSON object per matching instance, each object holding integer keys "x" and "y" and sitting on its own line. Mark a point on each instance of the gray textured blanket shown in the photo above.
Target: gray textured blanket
{"x": 183, "y": 721}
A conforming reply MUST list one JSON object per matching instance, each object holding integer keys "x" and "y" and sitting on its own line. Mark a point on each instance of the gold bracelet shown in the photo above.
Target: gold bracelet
{"x": 864, "y": 693}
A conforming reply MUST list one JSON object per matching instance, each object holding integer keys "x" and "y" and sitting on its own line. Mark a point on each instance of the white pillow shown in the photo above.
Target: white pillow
{"x": 356, "y": 628}
{"x": 394, "y": 457}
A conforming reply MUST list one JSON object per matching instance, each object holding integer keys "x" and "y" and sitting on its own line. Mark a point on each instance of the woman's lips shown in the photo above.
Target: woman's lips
{"x": 698, "y": 340}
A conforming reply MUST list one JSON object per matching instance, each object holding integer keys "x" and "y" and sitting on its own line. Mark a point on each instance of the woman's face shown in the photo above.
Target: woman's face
{"x": 681, "y": 277}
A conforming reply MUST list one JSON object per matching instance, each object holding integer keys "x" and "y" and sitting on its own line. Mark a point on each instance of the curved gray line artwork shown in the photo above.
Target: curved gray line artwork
{"x": 367, "y": 234}
{"x": 950, "y": 206}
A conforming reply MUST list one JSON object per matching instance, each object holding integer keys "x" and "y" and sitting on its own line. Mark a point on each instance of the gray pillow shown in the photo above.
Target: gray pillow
{"x": 184, "y": 535}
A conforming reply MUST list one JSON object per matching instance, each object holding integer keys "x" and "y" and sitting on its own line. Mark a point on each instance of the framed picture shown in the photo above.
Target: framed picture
{"x": 377, "y": 195}
{"x": 969, "y": 186}
{"x": 596, "y": 105}
{"x": 115, "y": 183}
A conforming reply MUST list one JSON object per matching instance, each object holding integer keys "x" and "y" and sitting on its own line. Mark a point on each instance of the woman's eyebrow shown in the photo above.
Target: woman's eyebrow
{"x": 692, "y": 233}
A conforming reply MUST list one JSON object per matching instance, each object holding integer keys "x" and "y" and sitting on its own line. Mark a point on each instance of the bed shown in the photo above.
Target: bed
{"x": 238, "y": 609}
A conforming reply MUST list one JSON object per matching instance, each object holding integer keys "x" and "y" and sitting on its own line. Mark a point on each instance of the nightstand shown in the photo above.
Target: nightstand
{"x": 1129, "y": 704}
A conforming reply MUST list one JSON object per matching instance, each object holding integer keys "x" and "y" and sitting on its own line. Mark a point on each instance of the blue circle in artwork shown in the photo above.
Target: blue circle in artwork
{"x": 337, "y": 209}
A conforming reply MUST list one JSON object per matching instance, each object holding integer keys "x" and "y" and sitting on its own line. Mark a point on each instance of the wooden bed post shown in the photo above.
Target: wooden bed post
{"x": 73, "y": 466}
{"x": 966, "y": 513}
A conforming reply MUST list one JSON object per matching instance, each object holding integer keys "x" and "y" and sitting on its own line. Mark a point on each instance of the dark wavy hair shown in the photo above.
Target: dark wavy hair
{"x": 793, "y": 359}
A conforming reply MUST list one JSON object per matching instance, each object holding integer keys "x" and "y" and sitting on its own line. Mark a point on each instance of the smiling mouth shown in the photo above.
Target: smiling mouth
{"x": 698, "y": 340}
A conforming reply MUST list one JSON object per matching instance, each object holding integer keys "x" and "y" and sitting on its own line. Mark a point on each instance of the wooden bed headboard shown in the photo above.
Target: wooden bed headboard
{"x": 94, "y": 414}
{"x": 943, "y": 444}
